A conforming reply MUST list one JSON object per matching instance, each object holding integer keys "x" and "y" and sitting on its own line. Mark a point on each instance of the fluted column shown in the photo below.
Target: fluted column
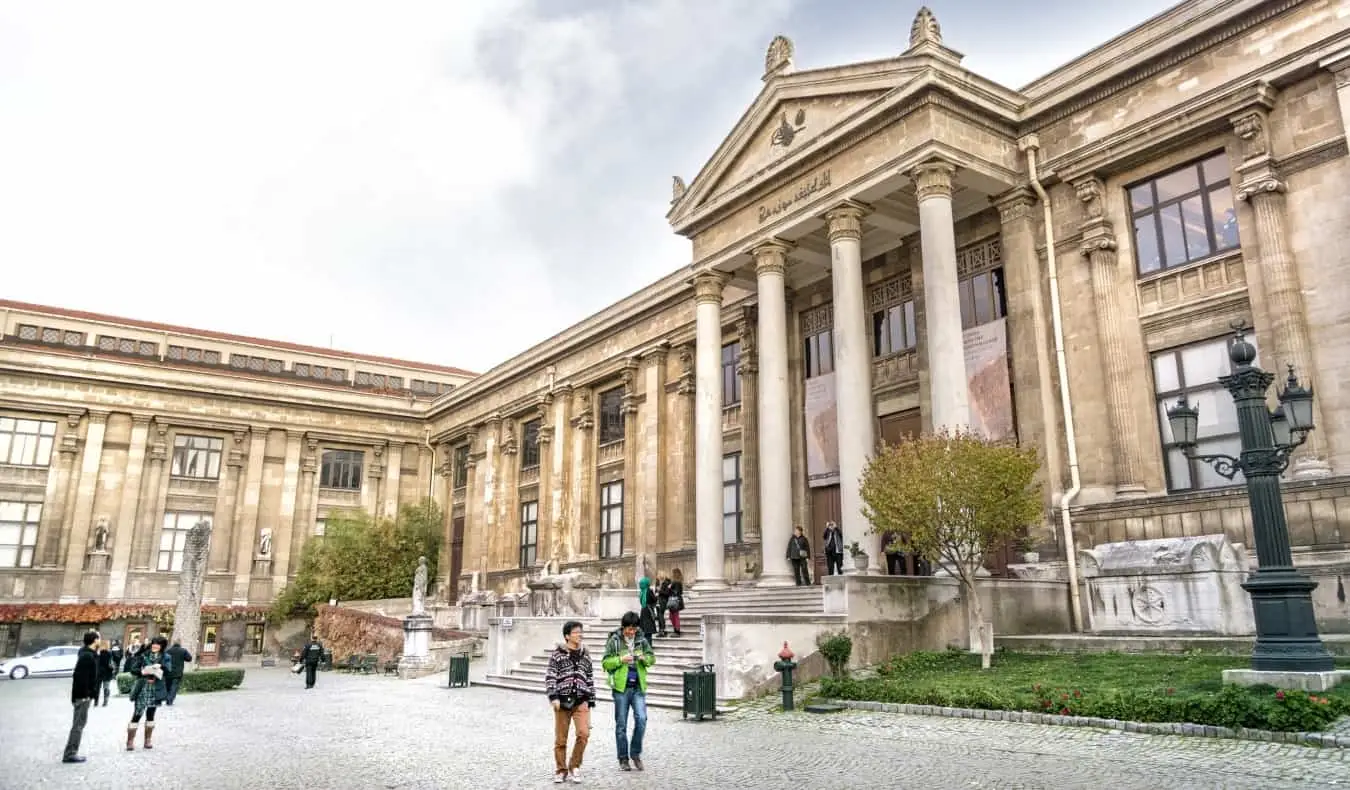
{"x": 59, "y": 483}
{"x": 852, "y": 376}
{"x": 1261, "y": 187}
{"x": 83, "y": 514}
{"x": 682, "y": 534}
{"x": 775, "y": 450}
{"x": 557, "y": 497}
{"x": 1120, "y": 365}
{"x": 491, "y": 438}
{"x": 307, "y": 502}
{"x": 748, "y": 368}
{"x": 632, "y": 472}
{"x": 653, "y": 454}
{"x": 283, "y": 537}
{"x": 708, "y": 431}
{"x": 582, "y": 540}
{"x": 124, "y": 528}
{"x": 246, "y": 527}
{"x": 945, "y": 348}
{"x": 226, "y": 514}
{"x": 506, "y": 549}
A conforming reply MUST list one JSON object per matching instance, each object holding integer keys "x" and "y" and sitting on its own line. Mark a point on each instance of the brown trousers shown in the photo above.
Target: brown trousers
{"x": 563, "y": 720}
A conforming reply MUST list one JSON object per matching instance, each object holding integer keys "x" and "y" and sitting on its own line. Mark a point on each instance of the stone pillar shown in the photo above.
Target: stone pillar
{"x": 507, "y": 534}
{"x": 559, "y": 496}
{"x": 245, "y": 530}
{"x": 1261, "y": 186}
{"x": 632, "y": 471}
{"x": 124, "y": 528}
{"x": 1028, "y": 331}
{"x": 473, "y": 526}
{"x": 653, "y": 455}
{"x": 1339, "y": 66}
{"x": 856, "y": 418}
{"x": 393, "y": 482}
{"x": 283, "y": 541}
{"x": 683, "y": 533}
{"x": 710, "y": 564}
{"x": 374, "y": 483}
{"x": 748, "y": 368}
{"x": 583, "y": 541}
{"x": 83, "y": 514}
{"x": 227, "y": 504}
{"x": 1117, "y": 357}
{"x": 945, "y": 344}
{"x": 775, "y": 450}
{"x": 58, "y": 492}
{"x": 544, "y": 533}
{"x": 156, "y": 491}
{"x": 491, "y": 438}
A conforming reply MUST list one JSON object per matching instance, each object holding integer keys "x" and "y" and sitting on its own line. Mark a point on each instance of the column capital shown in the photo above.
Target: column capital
{"x": 933, "y": 179}
{"x": 493, "y": 420}
{"x": 98, "y": 416}
{"x": 1098, "y": 237}
{"x": 1090, "y": 191}
{"x": 141, "y": 418}
{"x": 1263, "y": 182}
{"x": 657, "y": 353}
{"x": 845, "y": 220}
{"x": 771, "y": 256}
{"x": 1014, "y": 205}
{"x": 1251, "y": 126}
{"x": 708, "y": 286}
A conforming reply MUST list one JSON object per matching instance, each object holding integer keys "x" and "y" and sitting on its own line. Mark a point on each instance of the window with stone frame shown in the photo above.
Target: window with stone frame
{"x": 529, "y": 533}
{"x": 196, "y": 457}
{"x": 26, "y": 442}
{"x": 894, "y": 329}
{"x": 983, "y": 298}
{"x": 611, "y": 415}
{"x": 529, "y": 444}
{"x": 461, "y": 470}
{"x": 253, "y": 638}
{"x": 818, "y": 341}
{"x": 341, "y": 469}
{"x": 731, "y": 499}
{"x": 731, "y": 378}
{"x": 18, "y": 533}
{"x": 611, "y": 520}
{"x": 1194, "y": 370}
{"x": 173, "y": 537}
{"x": 1184, "y": 215}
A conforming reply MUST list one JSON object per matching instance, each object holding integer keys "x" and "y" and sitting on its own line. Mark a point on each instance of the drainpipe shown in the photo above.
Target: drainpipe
{"x": 1031, "y": 144}
{"x": 431, "y": 473}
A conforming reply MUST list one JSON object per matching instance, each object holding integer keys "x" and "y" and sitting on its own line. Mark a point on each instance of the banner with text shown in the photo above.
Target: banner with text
{"x": 991, "y": 408}
{"x": 822, "y": 432}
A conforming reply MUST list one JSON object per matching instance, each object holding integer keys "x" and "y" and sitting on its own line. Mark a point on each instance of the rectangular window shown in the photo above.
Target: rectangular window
{"x": 529, "y": 533}
{"x": 461, "y": 466}
{"x": 983, "y": 298}
{"x": 818, "y": 354}
{"x": 894, "y": 329}
{"x": 731, "y": 379}
{"x": 196, "y": 457}
{"x": 341, "y": 469}
{"x": 253, "y": 638}
{"x": 1194, "y": 371}
{"x": 529, "y": 445}
{"x": 611, "y": 520}
{"x": 320, "y": 526}
{"x": 18, "y": 533}
{"x": 26, "y": 442}
{"x": 1185, "y": 215}
{"x": 611, "y": 415}
{"x": 173, "y": 537}
{"x": 731, "y": 498}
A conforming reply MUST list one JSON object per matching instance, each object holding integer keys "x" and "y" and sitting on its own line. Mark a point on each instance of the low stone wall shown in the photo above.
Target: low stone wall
{"x": 346, "y": 631}
{"x": 386, "y": 607}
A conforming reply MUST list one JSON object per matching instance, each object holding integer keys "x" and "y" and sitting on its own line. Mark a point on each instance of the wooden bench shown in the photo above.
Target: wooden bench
{"x": 368, "y": 663}
{"x": 391, "y": 666}
{"x": 349, "y": 664}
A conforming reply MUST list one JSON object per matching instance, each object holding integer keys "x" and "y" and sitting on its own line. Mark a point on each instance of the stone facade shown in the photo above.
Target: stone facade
{"x": 862, "y": 233}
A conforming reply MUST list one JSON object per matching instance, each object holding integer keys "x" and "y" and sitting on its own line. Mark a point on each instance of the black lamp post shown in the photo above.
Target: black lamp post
{"x": 1286, "y": 632}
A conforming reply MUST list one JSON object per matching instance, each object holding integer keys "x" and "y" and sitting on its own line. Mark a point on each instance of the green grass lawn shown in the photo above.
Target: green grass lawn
{"x": 1129, "y": 687}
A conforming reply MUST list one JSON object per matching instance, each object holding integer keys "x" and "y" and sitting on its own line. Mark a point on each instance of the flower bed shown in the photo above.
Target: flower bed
{"x": 194, "y": 681}
{"x": 1126, "y": 687}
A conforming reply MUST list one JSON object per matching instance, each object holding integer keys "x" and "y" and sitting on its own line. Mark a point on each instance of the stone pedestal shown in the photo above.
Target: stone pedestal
{"x": 1301, "y": 681}
{"x": 98, "y": 562}
{"x": 416, "y": 661}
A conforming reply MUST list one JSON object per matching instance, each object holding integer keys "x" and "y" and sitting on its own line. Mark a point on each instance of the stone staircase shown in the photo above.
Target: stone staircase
{"x": 674, "y": 655}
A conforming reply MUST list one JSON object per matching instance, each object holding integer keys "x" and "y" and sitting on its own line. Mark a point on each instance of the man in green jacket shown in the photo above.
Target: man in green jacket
{"x": 628, "y": 654}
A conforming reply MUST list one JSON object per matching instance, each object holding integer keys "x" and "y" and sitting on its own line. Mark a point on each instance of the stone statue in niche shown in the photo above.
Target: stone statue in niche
{"x": 265, "y": 542}
{"x": 101, "y": 533}
{"x": 419, "y": 595}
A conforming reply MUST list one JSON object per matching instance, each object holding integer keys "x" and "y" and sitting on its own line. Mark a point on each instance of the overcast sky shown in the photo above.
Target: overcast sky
{"x": 449, "y": 181}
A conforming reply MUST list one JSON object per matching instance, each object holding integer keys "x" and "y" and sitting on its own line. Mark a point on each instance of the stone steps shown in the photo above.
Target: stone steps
{"x": 759, "y": 600}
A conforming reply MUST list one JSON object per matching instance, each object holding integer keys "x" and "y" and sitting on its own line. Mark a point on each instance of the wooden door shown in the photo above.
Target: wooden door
{"x": 824, "y": 508}
{"x": 896, "y": 428}
{"x": 456, "y": 557}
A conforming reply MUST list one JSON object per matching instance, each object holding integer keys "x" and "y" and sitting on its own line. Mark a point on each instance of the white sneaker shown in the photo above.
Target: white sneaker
{"x": 559, "y": 778}
{"x": 575, "y": 776}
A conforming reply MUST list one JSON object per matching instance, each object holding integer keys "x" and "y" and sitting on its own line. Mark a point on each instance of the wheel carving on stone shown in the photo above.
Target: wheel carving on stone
{"x": 1148, "y": 604}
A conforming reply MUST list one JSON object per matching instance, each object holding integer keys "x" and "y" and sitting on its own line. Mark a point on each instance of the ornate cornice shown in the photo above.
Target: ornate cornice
{"x": 933, "y": 180}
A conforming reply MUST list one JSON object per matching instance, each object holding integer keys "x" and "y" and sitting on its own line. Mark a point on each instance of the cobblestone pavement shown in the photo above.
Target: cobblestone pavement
{"x": 376, "y": 732}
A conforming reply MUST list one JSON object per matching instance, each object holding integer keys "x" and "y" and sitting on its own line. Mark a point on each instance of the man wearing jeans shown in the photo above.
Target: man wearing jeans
{"x": 628, "y": 654}
{"x": 83, "y": 692}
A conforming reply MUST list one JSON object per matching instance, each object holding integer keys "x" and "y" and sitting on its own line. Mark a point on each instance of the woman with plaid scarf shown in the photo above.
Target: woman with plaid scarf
{"x": 149, "y": 691}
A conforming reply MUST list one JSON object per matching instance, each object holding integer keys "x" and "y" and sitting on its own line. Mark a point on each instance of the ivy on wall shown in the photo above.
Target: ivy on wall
{"x": 348, "y": 631}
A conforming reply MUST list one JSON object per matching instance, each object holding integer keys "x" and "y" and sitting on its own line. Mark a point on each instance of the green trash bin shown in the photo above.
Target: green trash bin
{"x": 700, "y": 692}
{"x": 459, "y": 671}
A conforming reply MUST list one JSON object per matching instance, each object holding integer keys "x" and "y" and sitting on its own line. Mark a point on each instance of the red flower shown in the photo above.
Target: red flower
{"x": 1064, "y": 712}
{"x": 1279, "y": 695}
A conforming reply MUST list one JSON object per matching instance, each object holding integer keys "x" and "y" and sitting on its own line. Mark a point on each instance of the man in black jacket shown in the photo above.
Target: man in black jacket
{"x": 178, "y": 659}
{"x": 312, "y": 655}
{"x": 83, "y": 692}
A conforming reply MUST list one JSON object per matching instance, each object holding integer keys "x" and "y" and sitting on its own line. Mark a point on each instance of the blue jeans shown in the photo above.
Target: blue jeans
{"x": 624, "y": 701}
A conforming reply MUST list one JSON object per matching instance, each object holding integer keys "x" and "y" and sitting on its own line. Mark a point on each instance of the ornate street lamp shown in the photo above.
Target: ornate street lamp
{"x": 1286, "y": 632}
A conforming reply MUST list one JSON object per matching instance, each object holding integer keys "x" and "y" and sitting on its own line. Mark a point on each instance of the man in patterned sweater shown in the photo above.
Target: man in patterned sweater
{"x": 571, "y": 691}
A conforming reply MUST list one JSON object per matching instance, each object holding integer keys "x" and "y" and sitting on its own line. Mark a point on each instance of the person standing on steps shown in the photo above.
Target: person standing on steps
{"x": 570, "y": 684}
{"x": 834, "y": 549}
{"x": 799, "y": 553}
{"x": 675, "y": 601}
{"x": 312, "y": 655}
{"x": 628, "y": 654}
{"x": 179, "y": 658}
{"x": 148, "y": 693}
{"x": 662, "y": 603}
{"x": 83, "y": 693}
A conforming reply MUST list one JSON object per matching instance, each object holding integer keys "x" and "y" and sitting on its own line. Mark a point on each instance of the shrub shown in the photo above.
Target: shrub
{"x": 199, "y": 681}
{"x": 836, "y": 648}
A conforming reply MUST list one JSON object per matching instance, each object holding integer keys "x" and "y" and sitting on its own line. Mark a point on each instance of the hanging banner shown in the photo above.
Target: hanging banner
{"x": 991, "y": 408}
{"x": 822, "y": 432}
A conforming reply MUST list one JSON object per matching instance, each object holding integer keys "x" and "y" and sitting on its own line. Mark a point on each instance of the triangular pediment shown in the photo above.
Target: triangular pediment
{"x": 793, "y": 114}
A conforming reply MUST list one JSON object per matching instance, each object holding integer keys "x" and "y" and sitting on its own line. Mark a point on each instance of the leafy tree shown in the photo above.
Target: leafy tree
{"x": 952, "y": 494}
{"x": 362, "y": 558}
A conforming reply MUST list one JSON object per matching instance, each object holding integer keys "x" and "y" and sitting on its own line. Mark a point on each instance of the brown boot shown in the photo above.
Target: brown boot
{"x": 149, "y": 731}
{"x": 131, "y": 736}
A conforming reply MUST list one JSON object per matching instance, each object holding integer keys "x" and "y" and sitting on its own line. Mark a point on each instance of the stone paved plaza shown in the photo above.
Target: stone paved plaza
{"x": 376, "y": 732}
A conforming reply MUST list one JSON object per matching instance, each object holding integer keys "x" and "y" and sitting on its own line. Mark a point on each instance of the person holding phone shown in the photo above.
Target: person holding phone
{"x": 628, "y": 654}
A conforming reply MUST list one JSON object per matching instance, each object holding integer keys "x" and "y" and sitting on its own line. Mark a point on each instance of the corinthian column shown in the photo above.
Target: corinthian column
{"x": 775, "y": 449}
{"x": 853, "y": 377}
{"x": 1099, "y": 247}
{"x": 1262, "y": 187}
{"x": 708, "y": 431}
{"x": 945, "y": 349}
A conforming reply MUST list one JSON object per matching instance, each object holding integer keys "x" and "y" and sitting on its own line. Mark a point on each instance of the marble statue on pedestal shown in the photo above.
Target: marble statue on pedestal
{"x": 419, "y": 595}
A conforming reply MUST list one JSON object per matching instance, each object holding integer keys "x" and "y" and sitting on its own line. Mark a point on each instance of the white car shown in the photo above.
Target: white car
{"x": 52, "y": 662}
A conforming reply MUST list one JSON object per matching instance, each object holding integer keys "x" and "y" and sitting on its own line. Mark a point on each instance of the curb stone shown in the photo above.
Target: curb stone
{"x": 1321, "y": 739}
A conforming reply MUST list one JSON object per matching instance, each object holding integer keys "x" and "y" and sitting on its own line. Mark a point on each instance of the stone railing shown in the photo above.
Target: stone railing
{"x": 529, "y": 476}
{"x": 611, "y": 453}
{"x": 895, "y": 370}
{"x": 731, "y": 418}
{"x": 1200, "y": 282}
{"x": 23, "y": 475}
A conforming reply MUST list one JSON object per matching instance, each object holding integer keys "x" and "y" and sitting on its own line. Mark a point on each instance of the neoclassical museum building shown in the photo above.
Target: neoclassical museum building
{"x": 877, "y": 249}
